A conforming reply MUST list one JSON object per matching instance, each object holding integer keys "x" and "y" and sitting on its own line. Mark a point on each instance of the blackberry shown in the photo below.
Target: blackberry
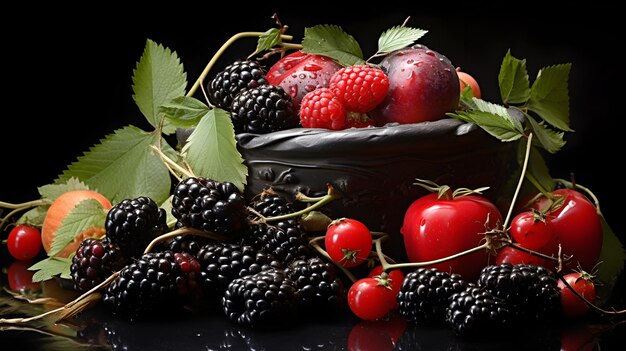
{"x": 475, "y": 310}
{"x": 133, "y": 223}
{"x": 530, "y": 292}
{"x": 272, "y": 206}
{"x": 95, "y": 261}
{"x": 186, "y": 243}
{"x": 209, "y": 205}
{"x": 263, "y": 110}
{"x": 425, "y": 292}
{"x": 221, "y": 263}
{"x": 264, "y": 299}
{"x": 238, "y": 76}
{"x": 319, "y": 288}
{"x": 153, "y": 284}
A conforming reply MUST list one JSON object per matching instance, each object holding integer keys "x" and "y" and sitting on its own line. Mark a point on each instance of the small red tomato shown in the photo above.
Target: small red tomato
{"x": 24, "y": 242}
{"x": 348, "y": 242}
{"x": 371, "y": 298}
{"x": 395, "y": 277}
{"x": 581, "y": 282}
{"x": 20, "y": 278}
{"x": 514, "y": 256}
{"x": 533, "y": 231}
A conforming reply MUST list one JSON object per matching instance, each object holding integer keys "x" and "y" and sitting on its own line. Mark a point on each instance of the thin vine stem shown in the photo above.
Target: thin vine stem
{"x": 329, "y": 197}
{"x": 171, "y": 165}
{"x": 25, "y": 205}
{"x": 520, "y": 182}
{"x": 314, "y": 243}
{"x": 184, "y": 231}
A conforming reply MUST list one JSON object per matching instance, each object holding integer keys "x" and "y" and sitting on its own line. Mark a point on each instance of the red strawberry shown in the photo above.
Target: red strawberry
{"x": 360, "y": 87}
{"x": 300, "y": 73}
{"x": 322, "y": 109}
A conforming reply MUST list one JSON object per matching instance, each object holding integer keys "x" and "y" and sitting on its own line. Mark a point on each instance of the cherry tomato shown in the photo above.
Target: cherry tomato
{"x": 514, "y": 256}
{"x": 533, "y": 232}
{"x": 395, "y": 277}
{"x": 371, "y": 298}
{"x": 24, "y": 242}
{"x": 581, "y": 282}
{"x": 577, "y": 226}
{"x": 20, "y": 278}
{"x": 435, "y": 228}
{"x": 348, "y": 242}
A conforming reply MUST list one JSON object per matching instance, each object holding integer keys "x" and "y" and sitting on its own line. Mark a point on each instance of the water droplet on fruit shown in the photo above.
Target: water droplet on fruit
{"x": 302, "y": 76}
{"x": 309, "y": 87}
{"x": 294, "y": 76}
{"x": 446, "y": 69}
{"x": 311, "y": 67}
{"x": 313, "y": 75}
{"x": 418, "y": 63}
{"x": 410, "y": 61}
{"x": 411, "y": 76}
{"x": 293, "y": 90}
{"x": 441, "y": 59}
{"x": 402, "y": 70}
{"x": 430, "y": 53}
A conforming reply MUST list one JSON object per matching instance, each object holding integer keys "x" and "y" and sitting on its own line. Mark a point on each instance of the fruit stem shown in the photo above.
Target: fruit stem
{"x": 25, "y": 205}
{"x": 595, "y": 308}
{"x": 330, "y": 196}
{"x": 586, "y": 190}
{"x": 314, "y": 243}
{"x": 184, "y": 231}
{"x": 221, "y": 50}
{"x": 304, "y": 198}
{"x": 171, "y": 164}
{"x": 520, "y": 182}
{"x": 539, "y": 187}
{"x": 535, "y": 253}
{"x": 387, "y": 266}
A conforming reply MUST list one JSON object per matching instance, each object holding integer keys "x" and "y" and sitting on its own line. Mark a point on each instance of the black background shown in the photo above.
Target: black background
{"x": 67, "y": 76}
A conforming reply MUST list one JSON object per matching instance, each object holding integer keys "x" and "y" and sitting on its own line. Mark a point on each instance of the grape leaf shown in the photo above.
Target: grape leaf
{"x": 612, "y": 259}
{"x": 493, "y": 124}
{"x": 267, "y": 40}
{"x": 123, "y": 166}
{"x": 398, "y": 37}
{"x": 87, "y": 214}
{"x": 513, "y": 80}
{"x": 332, "y": 41}
{"x": 158, "y": 78}
{"x": 211, "y": 150}
{"x": 184, "y": 111}
{"x": 48, "y": 268}
{"x": 549, "y": 139}
{"x": 549, "y": 96}
{"x": 52, "y": 191}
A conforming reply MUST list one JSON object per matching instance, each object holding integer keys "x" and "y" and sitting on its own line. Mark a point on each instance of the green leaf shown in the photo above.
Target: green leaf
{"x": 513, "y": 80}
{"x": 158, "y": 78}
{"x": 612, "y": 259}
{"x": 332, "y": 41}
{"x": 87, "y": 214}
{"x": 537, "y": 167}
{"x": 549, "y": 96}
{"x": 169, "y": 217}
{"x": 268, "y": 40}
{"x": 184, "y": 111}
{"x": 499, "y": 110}
{"x": 549, "y": 139}
{"x": 398, "y": 37}
{"x": 467, "y": 98}
{"x": 48, "y": 268}
{"x": 123, "y": 166}
{"x": 211, "y": 150}
{"x": 52, "y": 191}
{"x": 34, "y": 216}
{"x": 493, "y": 124}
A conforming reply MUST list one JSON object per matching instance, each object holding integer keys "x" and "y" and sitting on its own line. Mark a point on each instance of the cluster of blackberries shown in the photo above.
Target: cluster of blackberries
{"x": 255, "y": 106}
{"x": 504, "y": 294}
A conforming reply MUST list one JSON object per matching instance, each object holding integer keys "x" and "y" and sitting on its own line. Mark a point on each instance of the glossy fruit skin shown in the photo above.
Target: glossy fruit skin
{"x": 423, "y": 86}
{"x": 534, "y": 234}
{"x": 60, "y": 208}
{"x": 370, "y": 301}
{"x": 577, "y": 226}
{"x": 379, "y": 335}
{"x": 436, "y": 228}
{"x": 300, "y": 73}
{"x": 348, "y": 234}
{"x": 571, "y": 305}
{"x": 395, "y": 276}
{"x": 514, "y": 256}
{"x": 20, "y": 278}
{"x": 24, "y": 242}
{"x": 465, "y": 80}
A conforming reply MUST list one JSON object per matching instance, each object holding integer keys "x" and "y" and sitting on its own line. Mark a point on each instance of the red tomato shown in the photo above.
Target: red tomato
{"x": 532, "y": 232}
{"x": 395, "y": 277}
{"x": 435, "y": 228}
{"x": 577, "y": 226}
{"x": 514, "y": 256}
{"x": 348, "y": 242}
{"x": 370, "y": 300}
{"x": 573, "y": 306}
{"x": 24, "y": 242}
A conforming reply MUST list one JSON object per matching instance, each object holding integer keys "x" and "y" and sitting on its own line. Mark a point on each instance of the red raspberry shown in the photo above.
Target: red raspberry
{"x": 322, "y": 109}
{"x": 360, "y": 87}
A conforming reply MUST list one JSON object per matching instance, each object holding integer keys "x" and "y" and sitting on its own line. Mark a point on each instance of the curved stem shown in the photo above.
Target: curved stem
{"x": 304, "y": 198}
{"x": 25, "y": 205}
{"x": 534, "y": 253}
{"x": 171, "y": 165}
{"x": 318, "y": 248}
{"x": 219, "y": 53}
{"x": 322, "y": 201}
{"x": 595, "y": 308}
{"x": 184, "y": 231}
{"x": 586, "y": 190}
{"x": 520, "y": 182}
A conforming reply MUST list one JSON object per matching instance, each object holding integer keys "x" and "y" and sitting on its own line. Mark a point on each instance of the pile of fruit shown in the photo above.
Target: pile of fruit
{"x": 145, "y": 252}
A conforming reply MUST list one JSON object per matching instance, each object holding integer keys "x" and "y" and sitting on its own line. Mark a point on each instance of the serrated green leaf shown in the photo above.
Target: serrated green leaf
{"x": 398, "y": 37}
{"x": 499, "y": 110}
{"x": 158, "y": 78}
{"x": 50, "y": 267}
{"x": 549, "y": 97}
{"x": 123, "y": 166}
{"x": 552, "y": 141}
{"x": 611, "y": 260}
{"x": 184, "y": 111}
{"x": 169, "y": 217}
{"x": 537, "y": 167}
{"x": 467, "y": 98}
{"x": 86, "y": 214}
{"x": 52, "y": 191}
{"x": 493, "y": 124}
{"x": 332, "y": 41}
{"x": 513, "y": 80}
{"x": 34, "y": 217}
{"x": 211, "y": 150}
{"x": 268, "y": 40}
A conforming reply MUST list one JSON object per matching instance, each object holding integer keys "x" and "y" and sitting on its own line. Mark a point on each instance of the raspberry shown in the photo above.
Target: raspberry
{"x": 360, "y": 88}
{"x": 322, "y": 109}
